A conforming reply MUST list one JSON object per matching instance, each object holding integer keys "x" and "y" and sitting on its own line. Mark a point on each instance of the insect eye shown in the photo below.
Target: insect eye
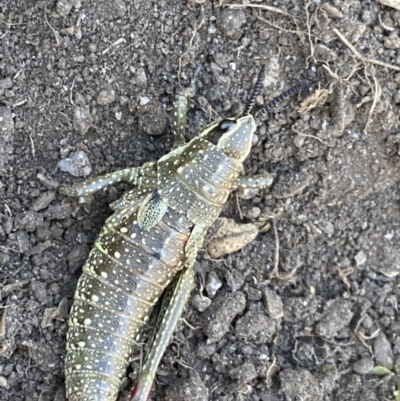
{"x": 215, "y": 134}
{"x": 225, "y": 125}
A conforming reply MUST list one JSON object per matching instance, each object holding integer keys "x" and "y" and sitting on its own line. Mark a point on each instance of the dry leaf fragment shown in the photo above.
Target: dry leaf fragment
{"x": 317, "y": 98}
{"x": 331, "y": 11}
{"x": 226, "y": 236}
{"x": 391, "y": 3}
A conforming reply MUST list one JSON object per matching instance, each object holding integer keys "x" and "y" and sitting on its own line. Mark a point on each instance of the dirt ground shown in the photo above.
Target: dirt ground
{"x": 308, "y": 310}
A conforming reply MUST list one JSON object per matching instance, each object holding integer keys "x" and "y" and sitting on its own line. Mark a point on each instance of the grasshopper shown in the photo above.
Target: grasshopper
{"x": 150, "y": 241}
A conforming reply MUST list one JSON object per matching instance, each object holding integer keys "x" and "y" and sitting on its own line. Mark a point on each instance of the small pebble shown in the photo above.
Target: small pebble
{"x": 363, "y": 366}
{"x": 144, "y": 100}
{"x": 200, "y": 302}
{"x": 77, "y": 164}
{"x": 383, "y": 352}
{"x": 360, "y": 258}
{"x": 43, "y": 201}
{"x": 3, "y": 382}
{"x": 252, "y": 213}
{"x": 141, "y": 78}
{"x": 29, "y": 220}
{"x": 231, "y": 21}
{"x": 273, "y": 303}
{"x": 63, "y": 7}
{"x": 392, "y": 41}
{"x": 213, "y": 284}
{"x": 82, "y": 119}
{"x": 106, "y": 96}
{"x": 248, "y": 193}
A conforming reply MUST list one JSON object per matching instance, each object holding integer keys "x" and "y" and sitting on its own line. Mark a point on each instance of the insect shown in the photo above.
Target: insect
{"x": 152, "y": 239}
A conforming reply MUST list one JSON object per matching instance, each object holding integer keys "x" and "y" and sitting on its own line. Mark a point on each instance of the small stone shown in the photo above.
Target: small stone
{"x": 5, "y": 83}
{"x": 392, "y": 41}
{"x": 200, "y": 302}
{"x": 217, "y": 320}
{"x": 360, "y": 258}
{"x": 92, "y": 47}
{"x": 23, "y": 241}
{"x": 255, "y": 326}
{"x": 212, "y": 29}
{"x": 323, "y": 52}
{"x": 49, "y": 182}
{"x": 141, "y": 78}
{"x": 248, "y": 193}
{"x": 79, "y": 59}
{"x": 106, "y": 96}
{"x": 244, "y": 373}
{"x": 300, "y": 384}
{"x": 234, "y": 279}
{"x": 336, "y": 315}
{"x": 77, "y": 164}
{"x": 363, "y": 366}
{"x": 42, "y": 246}
{"x": 63, "y": 7}
{"x": 110, "y": 9}
{"x": 185, "y": 389}
{"x": 29, "y": 220}
{"x": 383, "y": 352}
{"x": 204, "y": 351}
{"x": 6, "y": 134}
{"x": 59, "y": 211}
{"x": 273, "y": 303}
{"x": 252, "y": 213}
{"x": 77, "y": 4}
{"x": 77, "y": 256}
{"x": 332, "y": 11}
{"x": 152, "y": 119}
{"x": 298, "y": 141}
{"x": 231, "y": 22}
{"x": 4, "y": 259}
{"x": 144, "y": 100}
{"x": 39, "y": 290}
{"x": 253, "y": 294}
{"x": 213, "y": 284}
{"x": 43, "y": 201}
{"x": 327, "y": 227}
{"x": 82, "y": 119}
{"x": 3, "y": 382}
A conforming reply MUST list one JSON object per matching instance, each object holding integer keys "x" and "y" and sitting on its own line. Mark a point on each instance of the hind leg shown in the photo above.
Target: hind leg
{"x": 172, "y": 306}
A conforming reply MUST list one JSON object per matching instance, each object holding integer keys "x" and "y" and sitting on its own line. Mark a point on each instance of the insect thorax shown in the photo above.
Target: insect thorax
{"x": 196, "y": 179}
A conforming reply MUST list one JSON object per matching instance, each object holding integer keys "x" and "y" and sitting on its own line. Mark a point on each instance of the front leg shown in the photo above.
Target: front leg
{"x": 131, "y": 175}
{"x": 263, "y": 180}
{"x": 180, "y": 111}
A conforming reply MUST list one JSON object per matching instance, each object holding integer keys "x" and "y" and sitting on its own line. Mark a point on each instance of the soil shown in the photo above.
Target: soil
{"x": 308, "y": 310}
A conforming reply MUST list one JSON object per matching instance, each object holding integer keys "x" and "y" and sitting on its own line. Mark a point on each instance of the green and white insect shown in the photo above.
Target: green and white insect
{"x": 152, "y": 239}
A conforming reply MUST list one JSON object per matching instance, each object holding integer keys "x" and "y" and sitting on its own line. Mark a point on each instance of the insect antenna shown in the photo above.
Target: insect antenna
{"x": 256, "y": 91}
{"x": 274, "y": 102}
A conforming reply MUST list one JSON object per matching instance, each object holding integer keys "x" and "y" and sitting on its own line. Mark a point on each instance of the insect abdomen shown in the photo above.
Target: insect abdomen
{"x": 126, "y": 272}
